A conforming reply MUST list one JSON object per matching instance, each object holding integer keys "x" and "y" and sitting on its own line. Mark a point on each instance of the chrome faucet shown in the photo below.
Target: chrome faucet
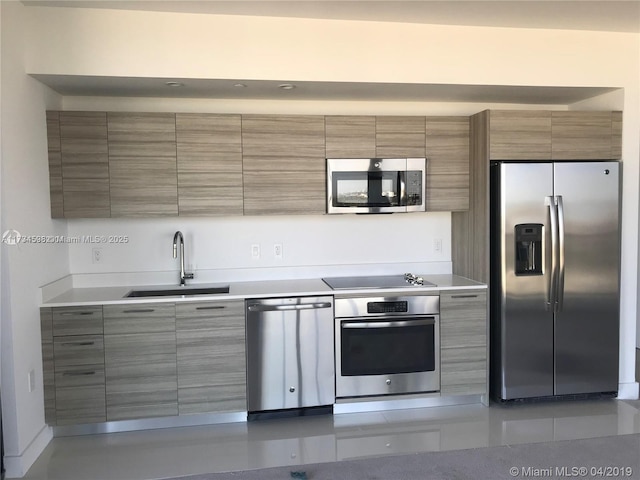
{"x": 183, "y": 276}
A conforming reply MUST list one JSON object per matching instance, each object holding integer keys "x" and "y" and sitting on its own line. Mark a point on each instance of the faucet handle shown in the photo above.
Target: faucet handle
{"x": 188, "y": 276}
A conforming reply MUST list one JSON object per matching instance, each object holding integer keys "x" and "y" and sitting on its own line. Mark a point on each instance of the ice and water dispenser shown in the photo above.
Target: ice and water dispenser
{"x": 528, "y": 248}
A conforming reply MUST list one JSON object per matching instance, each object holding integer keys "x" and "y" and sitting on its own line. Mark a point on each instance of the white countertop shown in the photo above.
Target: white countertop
{"x": 242, "y": 290}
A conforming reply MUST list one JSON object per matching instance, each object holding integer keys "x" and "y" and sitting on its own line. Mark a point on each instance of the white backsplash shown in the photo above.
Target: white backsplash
{"x": 219, "y": 249}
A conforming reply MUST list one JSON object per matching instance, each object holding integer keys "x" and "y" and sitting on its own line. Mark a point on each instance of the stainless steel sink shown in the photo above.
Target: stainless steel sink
{"x": 179, "y": 291}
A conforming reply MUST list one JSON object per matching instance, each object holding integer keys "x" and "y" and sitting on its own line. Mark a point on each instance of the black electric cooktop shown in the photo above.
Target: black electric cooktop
{"x": 376, "y": 281}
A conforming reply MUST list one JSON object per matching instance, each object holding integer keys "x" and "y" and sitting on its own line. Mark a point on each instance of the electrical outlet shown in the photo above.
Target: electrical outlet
{"x": 96, "y": 255}
{"x": 31, "y": 378}
{"x": 255, "y": 251}
{"x": 277, "y": 251}
{"x": 437, "y": 245}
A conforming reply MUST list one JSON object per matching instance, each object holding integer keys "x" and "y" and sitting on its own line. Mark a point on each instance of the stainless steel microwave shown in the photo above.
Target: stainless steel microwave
{"x": 376, "y": 185}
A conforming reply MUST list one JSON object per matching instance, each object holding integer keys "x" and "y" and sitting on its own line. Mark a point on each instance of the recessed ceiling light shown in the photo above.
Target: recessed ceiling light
{"x": 174, "y": 84}
{"x": 286, "y": 86}
{"x": 240, "y": 85}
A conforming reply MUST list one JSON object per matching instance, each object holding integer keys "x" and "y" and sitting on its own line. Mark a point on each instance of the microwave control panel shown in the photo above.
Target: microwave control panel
{"x": 414, "y": 187}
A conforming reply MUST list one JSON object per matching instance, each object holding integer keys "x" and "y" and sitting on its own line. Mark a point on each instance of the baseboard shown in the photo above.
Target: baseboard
{"x": 628, "y": 391}
{"x": 16, "y": 466}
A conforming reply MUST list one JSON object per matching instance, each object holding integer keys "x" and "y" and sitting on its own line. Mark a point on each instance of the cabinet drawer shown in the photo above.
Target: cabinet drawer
{"x": 78, "y": 350}
{"x": 80, "y": 376}
{"x": 77, "y": 321}
{"x": 210, "y": 315}
{"x": 146, "y": 318}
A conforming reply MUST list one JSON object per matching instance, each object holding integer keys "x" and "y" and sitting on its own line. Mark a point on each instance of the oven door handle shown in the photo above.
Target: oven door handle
{"x": 392, "y": 324}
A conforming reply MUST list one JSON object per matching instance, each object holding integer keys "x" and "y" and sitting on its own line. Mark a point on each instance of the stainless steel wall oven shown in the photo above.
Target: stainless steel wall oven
{"x": 387, "y": 345}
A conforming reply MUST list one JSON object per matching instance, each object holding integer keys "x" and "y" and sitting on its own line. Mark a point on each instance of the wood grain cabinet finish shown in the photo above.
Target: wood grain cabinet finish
{"x": 400, "y": 136}
{"x": 520, "y": 135}
{"x": 140, "y": 361}
{"x": 85, "y": 164}
{"x": 55, "y": 164}
{"x": 463, "y": 342}
{"x": 581, "y": 135}
{"x": 48, "y": 367}
{"x": 209, "y": 149}
{"x": 211, "y": 357}
{"x": 76, "y": 350}
{"x": 142, "y": 164}
{"x": 350, "y": 136}
{"x": 447, "y": 146}
{"x": 283, "y": 164}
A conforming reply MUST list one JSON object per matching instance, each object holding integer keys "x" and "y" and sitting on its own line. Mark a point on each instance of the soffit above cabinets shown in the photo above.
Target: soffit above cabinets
{"x": 596, "y": 15}
{"x": 77, "y": 85}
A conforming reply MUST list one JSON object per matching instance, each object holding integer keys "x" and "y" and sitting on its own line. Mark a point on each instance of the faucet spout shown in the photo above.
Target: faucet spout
{"x": 178, "y": 239}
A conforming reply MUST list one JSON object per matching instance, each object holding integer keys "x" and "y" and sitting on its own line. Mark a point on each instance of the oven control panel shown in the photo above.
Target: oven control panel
{"x": 387, "y": 307}
{"x": 349, "y": 307}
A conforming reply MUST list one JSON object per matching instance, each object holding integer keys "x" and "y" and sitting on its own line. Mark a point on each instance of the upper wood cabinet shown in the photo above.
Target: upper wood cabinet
{"x": 400, "y": 137}
{"x": 283, "y": 164}
{"x": 582, "y": 136}
{"x": 350, "y": 136}
{"x": 447, "y": 145}
{"x": 55, "y": 164}
{"x": 209, "y": 155}
{"x": 520, "y": 135}
{"x": 142, "y": 164}
{"x": 554, "y": 135}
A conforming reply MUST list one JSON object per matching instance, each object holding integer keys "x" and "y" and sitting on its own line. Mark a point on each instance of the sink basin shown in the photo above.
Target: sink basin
{"x": 179, "y": 291}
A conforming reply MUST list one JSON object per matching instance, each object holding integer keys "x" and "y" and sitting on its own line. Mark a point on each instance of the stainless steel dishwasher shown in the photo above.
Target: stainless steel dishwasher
{"x": 290, "y": 356}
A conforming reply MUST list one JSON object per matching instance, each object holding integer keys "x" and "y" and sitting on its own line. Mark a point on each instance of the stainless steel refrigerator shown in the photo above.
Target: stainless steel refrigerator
{"x": 555, "y": 268}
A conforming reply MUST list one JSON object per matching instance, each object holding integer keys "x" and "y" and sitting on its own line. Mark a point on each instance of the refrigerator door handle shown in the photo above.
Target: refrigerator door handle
{"x": 560, "y": 276}
{"x": 552, "y": 288}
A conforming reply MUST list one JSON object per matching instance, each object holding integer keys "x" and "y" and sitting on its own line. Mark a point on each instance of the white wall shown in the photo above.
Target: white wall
{"x": 131, "y": 43}
{"x": 25, "y": 207}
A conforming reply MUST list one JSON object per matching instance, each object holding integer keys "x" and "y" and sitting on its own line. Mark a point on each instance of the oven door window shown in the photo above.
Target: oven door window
{"x": 373, "y": 189}
{"x": 388, "y": 347}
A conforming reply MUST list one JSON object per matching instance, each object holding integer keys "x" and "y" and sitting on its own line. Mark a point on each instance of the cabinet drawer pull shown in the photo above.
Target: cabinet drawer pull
{"x": 69, "y": 314}
{"x": 77, "y": 344}
{"x": 213, "y": 307}
{"x": 139, "y": 310}
{"x": 79, "y": 374}
{"x": 464, "y": 296}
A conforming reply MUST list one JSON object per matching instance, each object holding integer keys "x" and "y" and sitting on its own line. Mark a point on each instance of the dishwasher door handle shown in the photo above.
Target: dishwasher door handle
{"x": 280, "y": 308}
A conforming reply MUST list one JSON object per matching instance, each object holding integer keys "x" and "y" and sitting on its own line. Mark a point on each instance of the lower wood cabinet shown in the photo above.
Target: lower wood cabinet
{"x": 211, "y": 357}
{"x": 140, "y": 361}
{"x": 73, "y": 365}
{"x": 463, "y": 342}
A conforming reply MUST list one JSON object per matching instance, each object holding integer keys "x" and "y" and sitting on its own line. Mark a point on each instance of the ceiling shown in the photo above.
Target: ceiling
{"x": 604, "y": 15}
{"x": 614, "y": 16}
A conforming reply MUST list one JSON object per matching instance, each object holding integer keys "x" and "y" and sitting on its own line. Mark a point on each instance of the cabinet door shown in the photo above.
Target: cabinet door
{"x": 211, "y": 357}
{"x": 55, "y": 164}
{"x": 520, "y": 135}
{"x": 350, "y": 136}
{"x": 463, "y": 343}
{"x": 142, "y": 164}
{"x": 140, "y": 361}
{"x": 209, "y": 149}
{"x": 447, "y": 163}
{"x": 400, "y": 137}
{"x": 85, "y": 164}
{"x": 283, "y": 164}
{"x": 581, "y": 135}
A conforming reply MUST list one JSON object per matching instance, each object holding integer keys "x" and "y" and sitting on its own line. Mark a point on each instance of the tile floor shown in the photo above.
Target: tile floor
{"x": 183, "y": 451}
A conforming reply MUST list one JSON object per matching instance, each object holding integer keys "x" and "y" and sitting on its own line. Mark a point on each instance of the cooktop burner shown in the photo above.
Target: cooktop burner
{"x": 407, "y": 280}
